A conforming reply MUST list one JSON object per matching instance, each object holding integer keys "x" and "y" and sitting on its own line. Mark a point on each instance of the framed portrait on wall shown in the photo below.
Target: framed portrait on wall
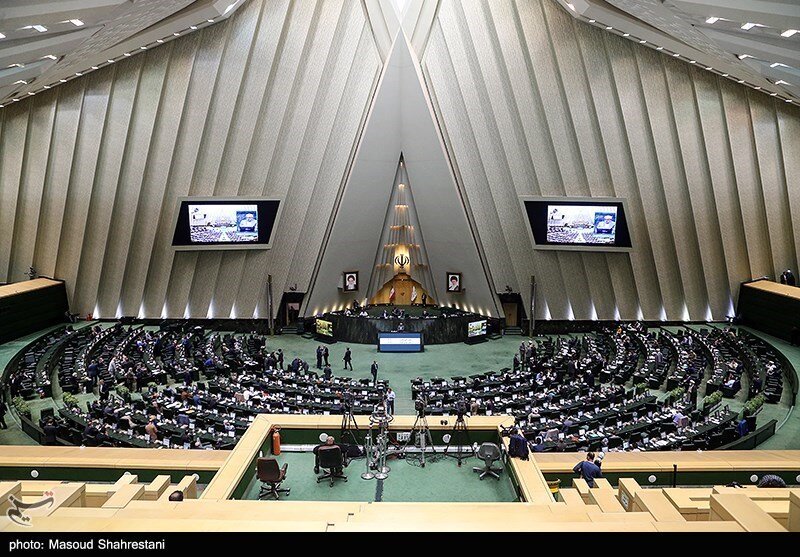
{"x": 350, "y": 281}
{"x": 454, "y": 282}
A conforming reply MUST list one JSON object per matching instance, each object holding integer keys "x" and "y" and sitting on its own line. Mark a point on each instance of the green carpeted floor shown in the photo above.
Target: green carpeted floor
{"x": 438, "y": 481}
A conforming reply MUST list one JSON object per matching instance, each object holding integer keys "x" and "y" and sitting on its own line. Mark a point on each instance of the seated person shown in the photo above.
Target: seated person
{"x": 588, "y": 470}
{"x": 329, "y": 442}
{"x": 518, "y": 445}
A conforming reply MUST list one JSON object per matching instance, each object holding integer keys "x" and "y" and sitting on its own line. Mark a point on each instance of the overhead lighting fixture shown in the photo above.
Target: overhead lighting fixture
{"x": 63, "y": 80}
{"x": 176, "y": 34}
{"x": 642, "y": 41}
{"x": 193, "y": 27}
{"x": 724, "y": 75}
{"x": 78, "y": 74}
{"x": 47, "y": 87}
{"x": 608, "y": 28}
{"x": 142, "y": 48}
{"x": 2, "y": 36}
{"x": 743, "y": 56}
{"x": 229, "y": 8}
{"x": 693, "y": 61}
{"x": 748, "y": 26}
{"x": 740, "y": 81}
{"x": 51, "y": 56}
{"x": 787, "y": 100}
{"x": 570, "y": 6}
{"x": 712, "y": 20}
{"x": 95, "y": 68}
{"x": 210, "y": 20}
{"x": 592, "y": 20}
{"x": 788, "y": 33}
{"x": 20, "y": 82}
{"x": 16, "y": 65}
{"x": 676, "y": 55}
{"x": 776, "y": 64}
{"x": 31, "y": 93}
{"x": 110, "y": 61}
{"x": 782, "y": 82}
{"x": 76, "y": 22}
{"x": 660, "y": 48}
{"x": 160, "y": 41}
{"x": 626, "y": 34}
{"x": 757, "y": 87}
{"x": 773, "y": 94}
{"x": 127, "y": 54}
{"x": 40, "y": 28}
{"x": 709, "y": 68}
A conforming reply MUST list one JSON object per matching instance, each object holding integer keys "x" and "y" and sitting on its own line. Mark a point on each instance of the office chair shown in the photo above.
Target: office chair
{"x": 331, "y": 459}
{"x": 489, "y": 453}
{"x": 271, "y": 475}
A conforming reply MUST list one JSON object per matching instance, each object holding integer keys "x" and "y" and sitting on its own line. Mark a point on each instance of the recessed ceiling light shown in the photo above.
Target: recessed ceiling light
{"x": 626, "y": 34}
{"x": 127, "y": 54}
{"x": 20, "y": 82}
{"x": 660, "y": 48}
{"x": 193, "y": 27}
{"x": 774, "y": 95}
{"x": 788, "y": 33}
{"x": 210, "y": 20}
{"x": 31, "y": 93}
{"x": 642, "y": 41}
{"x": 712, "y": 20}
{"x": 743, "y": 56}
{"x": 63, "y": 80}
{"x": 95, "y": 68}
{"x": 229, "y": 8}
{"x": 40, "y": 28}
{"x": 782, "y": 82}
{"x": 758, "y": 87}
{"x": 787, "y": 100}
{"x": 16, "y": 65}
{"x": 776, "y": 64}
{"x": 51, "y": 56}
{"x": 110, "y": 61}
{"x": 160, "y": 41}
{"x": 14, "y": 100}
{"x": 78, "y": 74}
{"x": 608, "y": 28}
{"x": 76, "y": 22}
{"x": 142, "y": 48}
{"x": 748, "y": 26}
{"x": 676, "y": 54}
{"x": 2, "y": 36}
{"x": 2, "y": 105}
{"x": 570, "y": 6}
{"x": 592, "y": 21}
{"x": 709, "y": 68}
{"x": 177, "y": 34}
{"x": 47, "y": 87}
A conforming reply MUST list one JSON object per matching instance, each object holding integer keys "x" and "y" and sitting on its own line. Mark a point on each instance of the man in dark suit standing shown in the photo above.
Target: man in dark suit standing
{"x": 348, "y": 359}
{"x": 3, "y": 410}
{"x": 319, "y": 357}
{"x": 325, "y": 354}
{"x": 374, "y": 371}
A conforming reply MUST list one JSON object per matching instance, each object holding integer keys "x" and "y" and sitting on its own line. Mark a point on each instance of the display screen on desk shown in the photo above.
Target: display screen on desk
{"x": 214, "y": 223}
{"x": 324, "y": 328}
{"x": 566, "y": 223}
{"x": 400, "y": 342}
{"x": 476, "y": 328}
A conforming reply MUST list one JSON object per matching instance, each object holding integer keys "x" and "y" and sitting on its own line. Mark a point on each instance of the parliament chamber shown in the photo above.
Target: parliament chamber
{"x": 401, "y": 266}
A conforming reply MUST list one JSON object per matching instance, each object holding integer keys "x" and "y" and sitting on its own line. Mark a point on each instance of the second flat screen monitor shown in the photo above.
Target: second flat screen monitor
{"x": 585, "y": 224}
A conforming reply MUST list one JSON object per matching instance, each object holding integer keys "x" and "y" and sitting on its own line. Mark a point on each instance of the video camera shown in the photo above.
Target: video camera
{"x": 461, "y": 407}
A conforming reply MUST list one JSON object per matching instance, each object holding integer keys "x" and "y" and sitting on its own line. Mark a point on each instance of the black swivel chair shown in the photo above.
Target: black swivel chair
{"x": 489, "y": 453}
{"x": 331, "y": 459}
{"x": 271, "y": 475}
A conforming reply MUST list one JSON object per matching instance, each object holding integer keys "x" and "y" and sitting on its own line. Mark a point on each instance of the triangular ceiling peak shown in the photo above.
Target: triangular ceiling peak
{"x": 401, "y": 120}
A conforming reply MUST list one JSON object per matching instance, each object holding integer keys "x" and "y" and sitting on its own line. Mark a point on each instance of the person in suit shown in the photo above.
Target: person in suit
{"x": 50, "y": 432}
{"x": 374, "y": 371}
{"x": 280, "y": 358}
{"x": 325, "y": 355}
{"x": 390, "y": 396}
{"x": 319, "y": 357}
{"x": 3, "y": 410}
{"x": 424, "y": 299}
{"x": 787, "y": 277}
{"x": 588, "y": 470}
{"x": 348, "y": 359}
{"x": 327, "y": 373}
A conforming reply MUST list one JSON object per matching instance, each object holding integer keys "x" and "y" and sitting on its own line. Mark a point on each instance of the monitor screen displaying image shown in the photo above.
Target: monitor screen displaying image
{"x": 581, "y": 224}
{"x": 476, "y": 328}
{"x": 230, "y": 223}
{"x": 324, "y": 328}
{"x": 225, "y": 223}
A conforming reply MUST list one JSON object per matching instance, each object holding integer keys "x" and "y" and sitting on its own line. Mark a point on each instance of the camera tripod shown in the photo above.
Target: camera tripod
{"x": 349, "y": 425}
{"x": 458, "y": 435}
{"x": 421, "y": 429}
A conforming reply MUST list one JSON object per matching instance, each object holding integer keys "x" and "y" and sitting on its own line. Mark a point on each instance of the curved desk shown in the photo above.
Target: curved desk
{"x": 435, "y": 330}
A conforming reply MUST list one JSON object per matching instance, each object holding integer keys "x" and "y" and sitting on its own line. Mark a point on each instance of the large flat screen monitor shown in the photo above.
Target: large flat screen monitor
{"x": 586, "y": 224}
{"x": 225, "y": 223}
